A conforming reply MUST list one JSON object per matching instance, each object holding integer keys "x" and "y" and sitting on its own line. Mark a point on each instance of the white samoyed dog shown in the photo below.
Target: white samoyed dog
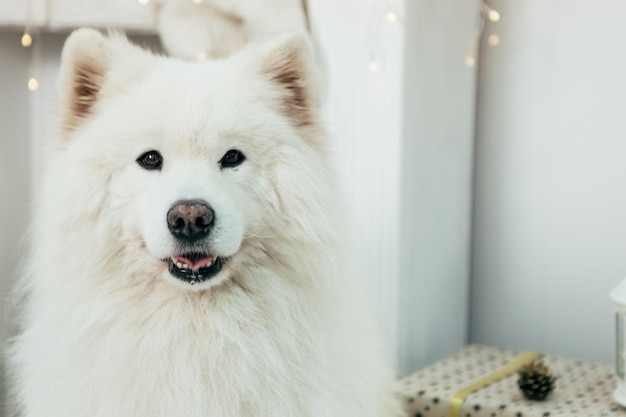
{"x": 185, "y": 253}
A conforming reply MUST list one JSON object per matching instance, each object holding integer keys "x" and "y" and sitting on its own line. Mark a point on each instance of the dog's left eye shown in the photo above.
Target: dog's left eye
{"x": 232, "y": 158}
{"x": 150, "y": 160}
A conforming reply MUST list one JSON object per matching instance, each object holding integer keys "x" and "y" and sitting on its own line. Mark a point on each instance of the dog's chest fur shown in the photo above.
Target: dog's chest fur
{"x": 230, "y": 355}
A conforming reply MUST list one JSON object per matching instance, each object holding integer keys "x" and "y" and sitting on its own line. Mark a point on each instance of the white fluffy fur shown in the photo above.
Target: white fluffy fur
{"x": 106, "y": 331}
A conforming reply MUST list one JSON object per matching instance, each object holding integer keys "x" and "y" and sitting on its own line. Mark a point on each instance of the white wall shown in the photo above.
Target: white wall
{"x": 550, "y": 192}
{"x": 363, "y": 112}
{"x": 404, "y": 136}
{"x": 437, "y": 154}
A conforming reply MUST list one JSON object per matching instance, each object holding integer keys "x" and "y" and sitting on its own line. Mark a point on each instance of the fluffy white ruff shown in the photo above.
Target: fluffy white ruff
{"x": 106, "y": 330}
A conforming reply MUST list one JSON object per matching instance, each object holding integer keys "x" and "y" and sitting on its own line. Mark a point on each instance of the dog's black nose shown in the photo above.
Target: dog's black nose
{"x": 190, "y": 219}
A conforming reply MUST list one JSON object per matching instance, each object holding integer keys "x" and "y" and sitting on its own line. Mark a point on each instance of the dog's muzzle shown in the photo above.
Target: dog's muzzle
{"x": 191, "y": 222}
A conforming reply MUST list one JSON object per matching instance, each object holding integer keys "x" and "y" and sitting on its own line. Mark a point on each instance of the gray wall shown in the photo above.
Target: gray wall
{"x": 550, "y": 193}
{"x": 14, "y": 164}
{"x": 14, "y": 157}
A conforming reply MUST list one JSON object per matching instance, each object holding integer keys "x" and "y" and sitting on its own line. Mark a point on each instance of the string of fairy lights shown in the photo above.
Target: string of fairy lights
{"x": 383, "y": 12}
{"x": 486, "y": 14}
{"x": 30, "y": 39}
{"x": 387, "y": 12}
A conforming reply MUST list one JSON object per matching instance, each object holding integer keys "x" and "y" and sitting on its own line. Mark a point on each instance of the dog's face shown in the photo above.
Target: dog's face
{"x": 189, "y": 162}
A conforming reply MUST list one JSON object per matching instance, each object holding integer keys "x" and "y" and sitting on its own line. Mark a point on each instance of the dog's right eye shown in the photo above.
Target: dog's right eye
{"x": 150, "y": 160}
{"x": 232, "y": 158}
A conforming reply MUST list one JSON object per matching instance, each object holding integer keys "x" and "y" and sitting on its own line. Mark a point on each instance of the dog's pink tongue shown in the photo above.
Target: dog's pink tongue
{"x": 195, "y": 264}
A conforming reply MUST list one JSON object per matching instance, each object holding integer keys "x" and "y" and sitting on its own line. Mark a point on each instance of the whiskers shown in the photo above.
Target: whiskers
{"x": 134, "y": 237}
{"x": 256, "y": 235}
{"x": 255, "y": 225}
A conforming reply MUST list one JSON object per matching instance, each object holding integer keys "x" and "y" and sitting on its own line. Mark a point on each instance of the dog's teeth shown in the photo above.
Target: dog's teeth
{"x": 179, "y": 265}
{"x": 185, "y": 266}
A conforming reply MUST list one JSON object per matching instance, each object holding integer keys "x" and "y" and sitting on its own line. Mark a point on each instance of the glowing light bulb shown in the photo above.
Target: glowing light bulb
{"x": 373, "y": 66}
{"x": 33, "y": 84}
{"x": 27, "y": 40}
{"x": 470, "y": 61}
{"x": 144, "y": 2}
{"x": 493, "y": 15}
{"x": 391, "y": 17}
{"x": 493, "y": 40}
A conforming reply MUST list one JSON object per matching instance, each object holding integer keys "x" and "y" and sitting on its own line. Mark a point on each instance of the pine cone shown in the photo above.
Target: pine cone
{"x": 536, "y": 381}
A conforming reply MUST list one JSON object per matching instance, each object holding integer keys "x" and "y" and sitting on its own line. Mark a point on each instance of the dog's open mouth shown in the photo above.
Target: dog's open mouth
{"x": 195, "y": 267}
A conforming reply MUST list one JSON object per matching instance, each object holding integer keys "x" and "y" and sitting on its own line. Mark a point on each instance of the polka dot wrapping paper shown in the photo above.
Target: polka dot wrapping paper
{"x": 583, "y": 389}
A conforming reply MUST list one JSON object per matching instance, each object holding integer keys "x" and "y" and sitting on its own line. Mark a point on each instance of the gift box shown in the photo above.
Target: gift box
{"x": 488, "y": 376}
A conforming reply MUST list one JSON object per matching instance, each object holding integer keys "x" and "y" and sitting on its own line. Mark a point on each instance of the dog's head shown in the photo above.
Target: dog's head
{"x": 187, "y": 166}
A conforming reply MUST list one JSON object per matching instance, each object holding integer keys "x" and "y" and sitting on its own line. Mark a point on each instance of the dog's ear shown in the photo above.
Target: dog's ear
{"x": 287, "y": 64}
{"x": 90, "y": 69}
{"x": 84, "y": 65}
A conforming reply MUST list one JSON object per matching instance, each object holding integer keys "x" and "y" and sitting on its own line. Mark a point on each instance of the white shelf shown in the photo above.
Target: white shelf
{"x": 61, "y": 15}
